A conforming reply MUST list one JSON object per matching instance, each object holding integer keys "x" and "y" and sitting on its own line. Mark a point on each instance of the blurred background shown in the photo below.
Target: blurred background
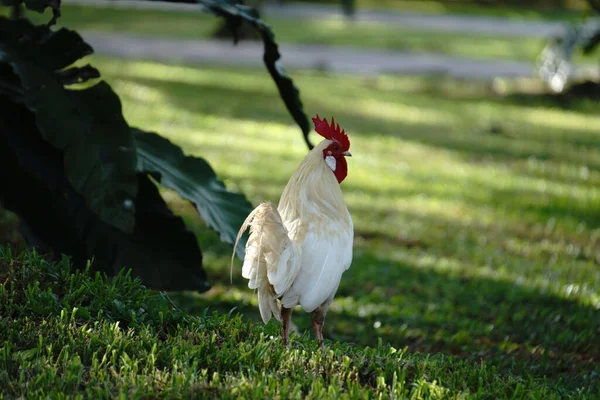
{"x": 474, "y": 181}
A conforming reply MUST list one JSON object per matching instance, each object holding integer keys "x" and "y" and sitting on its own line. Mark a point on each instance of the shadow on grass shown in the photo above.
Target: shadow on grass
{"x": 9, "y": 230}
{"x": 429, "y": 308}
{"x": 585, "y": 94}
{"x": 476, "y": 144}
{"x": 510, "y": 326}
{"x": 267, "y": 107}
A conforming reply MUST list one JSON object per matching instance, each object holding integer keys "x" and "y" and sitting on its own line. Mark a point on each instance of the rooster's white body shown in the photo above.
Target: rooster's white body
{"x": 296, "y": 254}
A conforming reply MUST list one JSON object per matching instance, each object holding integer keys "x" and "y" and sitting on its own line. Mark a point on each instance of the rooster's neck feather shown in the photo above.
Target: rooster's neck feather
{"x": 313, "y": 193}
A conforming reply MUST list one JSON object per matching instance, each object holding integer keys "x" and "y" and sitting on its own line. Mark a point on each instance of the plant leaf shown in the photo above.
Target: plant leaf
{"x": 194, "y": 180}
{"x": 287, "y": 89}
{"x": 38, "y": 6}
{"x": 161, "y": 250}
{"x": 87, "y": 125}
{"x": 78, "y": 74}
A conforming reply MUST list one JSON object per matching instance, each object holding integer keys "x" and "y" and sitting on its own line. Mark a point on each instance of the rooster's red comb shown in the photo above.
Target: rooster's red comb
{"x": 331, "y": 132}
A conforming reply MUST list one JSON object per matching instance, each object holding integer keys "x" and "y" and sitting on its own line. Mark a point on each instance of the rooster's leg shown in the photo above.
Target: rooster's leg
{"x": 318, "y": 319}
{"x": 286, "y": 313}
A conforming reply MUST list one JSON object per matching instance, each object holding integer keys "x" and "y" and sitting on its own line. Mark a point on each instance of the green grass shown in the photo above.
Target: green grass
{"x": 76, "y": 335}
{"x": 476, "y": 250}
{"x": 330, "y": 31}
{"x": 548, "y": 11}
{"x": 379, "y": 36}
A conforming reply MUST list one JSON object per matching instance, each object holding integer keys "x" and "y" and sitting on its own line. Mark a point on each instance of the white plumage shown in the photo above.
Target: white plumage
{"x": 296, "y": 254}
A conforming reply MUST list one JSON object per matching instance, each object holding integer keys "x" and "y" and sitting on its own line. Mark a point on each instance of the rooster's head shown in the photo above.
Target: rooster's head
{"x": 335, "y": 154}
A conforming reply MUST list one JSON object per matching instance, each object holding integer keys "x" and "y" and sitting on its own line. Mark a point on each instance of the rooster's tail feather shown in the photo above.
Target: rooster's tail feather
{"x": 268, "y": 239}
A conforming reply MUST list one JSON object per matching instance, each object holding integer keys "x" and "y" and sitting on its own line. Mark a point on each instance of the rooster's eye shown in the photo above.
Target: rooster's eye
{"x": 336, "y": 147}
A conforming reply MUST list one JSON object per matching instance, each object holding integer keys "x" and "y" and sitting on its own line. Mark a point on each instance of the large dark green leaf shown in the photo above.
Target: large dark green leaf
{"x": 289, "y": 93}
{"x": 194, "y": 180}
{"x": 161, "y": 250}
{"x": 87, "y": 125}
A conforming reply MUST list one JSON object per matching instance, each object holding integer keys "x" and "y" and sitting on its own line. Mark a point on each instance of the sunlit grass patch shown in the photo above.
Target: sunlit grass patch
{"x": 537, "y": 11}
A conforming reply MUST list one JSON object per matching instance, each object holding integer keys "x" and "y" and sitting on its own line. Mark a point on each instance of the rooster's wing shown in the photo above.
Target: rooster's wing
{"x": 272, "y": 260}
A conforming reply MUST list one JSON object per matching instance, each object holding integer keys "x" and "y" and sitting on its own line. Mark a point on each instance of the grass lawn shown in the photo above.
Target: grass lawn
{"x": 477, "y": 230}
{"x": 476, "y": 250}
{"x": 329, "y": 31}
{"x": 65, "y": 335}
{"x": 571, "y": 10}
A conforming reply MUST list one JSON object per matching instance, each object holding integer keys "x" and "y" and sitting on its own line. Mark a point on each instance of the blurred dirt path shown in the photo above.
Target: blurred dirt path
{"x": 326, "y": 58}
{"x": 422, "y": 21}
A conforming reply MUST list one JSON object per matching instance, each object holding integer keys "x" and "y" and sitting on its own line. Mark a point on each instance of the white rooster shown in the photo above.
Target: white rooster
{"x": 296, "y": 254}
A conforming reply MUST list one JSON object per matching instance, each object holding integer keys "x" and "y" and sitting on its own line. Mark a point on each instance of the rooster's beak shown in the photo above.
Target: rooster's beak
{"x": 347, "y": 154}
